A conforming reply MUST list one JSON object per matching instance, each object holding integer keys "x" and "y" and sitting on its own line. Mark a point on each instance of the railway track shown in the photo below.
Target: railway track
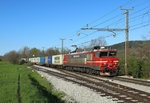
{"x": 135, "y": 81}
{"x": 129, "y": 80}
{"x": 106, "y": 88}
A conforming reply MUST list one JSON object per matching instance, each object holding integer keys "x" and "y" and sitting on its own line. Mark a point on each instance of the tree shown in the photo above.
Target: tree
{"x": 24, "y": 52}
{"x": 66, "y": 51}
{"x": 1, "y": 58}
{"x": 12, "y": 57}
{"x": 100, "y": 41}
{"x": 52, "y": 51}
{"x": 35, "y": 52}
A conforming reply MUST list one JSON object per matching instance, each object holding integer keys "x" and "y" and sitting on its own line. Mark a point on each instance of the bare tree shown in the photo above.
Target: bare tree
{"x": 24, "y": 52}
{"x": 66, "y": 50}
{"x": 52, "y": 51}
{"x": 12, "y": 57}
{"x": 100, "y": 41}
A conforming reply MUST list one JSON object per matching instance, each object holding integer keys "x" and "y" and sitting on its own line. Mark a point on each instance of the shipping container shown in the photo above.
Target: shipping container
{"x": 57, "y": 59}
{"x": 25, "y": 59}
{"x": 32, "y": 60}
{"x": 42, "y": 60}
{"x": 38, "y": 59}
{"x": 48, "y": 60}
{"x": 29, "y": 59}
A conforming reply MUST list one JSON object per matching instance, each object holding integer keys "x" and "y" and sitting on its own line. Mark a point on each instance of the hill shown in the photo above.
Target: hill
{"x": 132, "y": 45}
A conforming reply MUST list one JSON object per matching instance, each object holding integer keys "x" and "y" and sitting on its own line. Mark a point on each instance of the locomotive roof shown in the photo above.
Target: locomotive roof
{"x": 95, "y": 51}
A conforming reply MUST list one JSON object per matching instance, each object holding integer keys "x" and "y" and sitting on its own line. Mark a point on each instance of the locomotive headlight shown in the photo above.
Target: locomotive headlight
{"x": 105, "y": 64}
{"x": 115, "y": 64}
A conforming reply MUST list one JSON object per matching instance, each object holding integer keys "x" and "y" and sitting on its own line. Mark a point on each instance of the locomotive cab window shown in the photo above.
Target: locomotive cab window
{"x": 112, "y": 54}
{"x": 103, "y": 54}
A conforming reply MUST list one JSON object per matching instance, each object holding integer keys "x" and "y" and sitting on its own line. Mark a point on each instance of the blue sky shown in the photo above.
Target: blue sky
{"x": 41, "y": 23}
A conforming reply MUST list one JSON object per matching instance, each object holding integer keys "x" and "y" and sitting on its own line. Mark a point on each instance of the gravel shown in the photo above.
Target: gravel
{"x": 75, "y": 92}
{"x": 131, "y": 85}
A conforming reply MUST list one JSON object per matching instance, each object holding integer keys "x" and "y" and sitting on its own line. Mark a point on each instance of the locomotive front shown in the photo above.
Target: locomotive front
{"x": 109, "y": 63}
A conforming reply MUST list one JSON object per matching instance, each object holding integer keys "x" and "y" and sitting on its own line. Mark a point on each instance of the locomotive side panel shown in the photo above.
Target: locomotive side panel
{"x": 77, "y": 59}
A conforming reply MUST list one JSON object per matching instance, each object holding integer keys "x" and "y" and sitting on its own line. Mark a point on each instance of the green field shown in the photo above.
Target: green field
{"x": 33, "y": 88}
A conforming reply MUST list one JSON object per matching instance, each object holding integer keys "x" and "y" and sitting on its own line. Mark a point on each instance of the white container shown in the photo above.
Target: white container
{"x": 29, "y": 59}
{"x": 38, "y": 59}
{"x": 57, "y": 59}
{"x": 35, "y": 60}
{"x": 32, "y": 60}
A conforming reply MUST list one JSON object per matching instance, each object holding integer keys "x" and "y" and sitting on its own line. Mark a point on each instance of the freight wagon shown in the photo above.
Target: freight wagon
{"x": 48, "y": 60}
{"x": 100, "y": 60}
{"x": 57, "y": 60}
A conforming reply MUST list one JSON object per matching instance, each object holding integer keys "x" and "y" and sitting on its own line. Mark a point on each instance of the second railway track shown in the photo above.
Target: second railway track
{"x": 126, "y": 94}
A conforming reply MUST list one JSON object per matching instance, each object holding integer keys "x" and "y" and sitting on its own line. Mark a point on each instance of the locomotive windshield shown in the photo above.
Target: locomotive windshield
{"x": 112, "y": 54}
{"x": 106, "y": 54}
{"x": 103, "y": 54}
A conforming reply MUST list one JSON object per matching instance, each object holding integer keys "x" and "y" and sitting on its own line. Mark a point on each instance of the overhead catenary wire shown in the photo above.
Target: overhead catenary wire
{"x": 107, "y": 36}
{"x": 105, "y": 15}
{"x": 112, "y": 18}
{"x": 109, "y": 13}
{"x": 141, "y": 26}
{"x": 120, "y": 20}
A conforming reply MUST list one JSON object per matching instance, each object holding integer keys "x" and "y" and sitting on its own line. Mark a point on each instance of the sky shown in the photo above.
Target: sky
{"x": 42, "y": 23}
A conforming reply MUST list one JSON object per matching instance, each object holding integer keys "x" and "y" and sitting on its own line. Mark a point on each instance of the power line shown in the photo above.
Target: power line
{"x": 119, "y": 21}
{"x": 145, "y": 25}
{"x": 111, "y": 35}
{"x": 86, "y": 35}
{"x": 108, "y": 13}
{"x": 107, "y": 20}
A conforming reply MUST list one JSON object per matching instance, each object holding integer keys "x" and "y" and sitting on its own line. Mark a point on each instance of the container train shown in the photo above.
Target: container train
{"x": 100, "y": 60}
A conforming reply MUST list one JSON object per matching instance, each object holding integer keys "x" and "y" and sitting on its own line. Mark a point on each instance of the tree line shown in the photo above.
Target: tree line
{"x": 25, "y": 52}
{"x": 138, "y": 60}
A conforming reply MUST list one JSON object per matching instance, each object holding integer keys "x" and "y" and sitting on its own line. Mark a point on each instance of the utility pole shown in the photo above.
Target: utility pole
{"x": 43, "y": 51}
{"x": 118, "y": 29}
{"x": 62, "y": 46}
{"x": 127, "y": 38}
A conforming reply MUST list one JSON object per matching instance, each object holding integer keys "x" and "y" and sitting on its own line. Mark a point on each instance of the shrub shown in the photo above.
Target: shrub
{"x": 146, "y": 70}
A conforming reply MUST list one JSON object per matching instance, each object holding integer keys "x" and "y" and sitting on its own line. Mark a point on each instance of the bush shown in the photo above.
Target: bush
{"x": 134, "y": 66}
{"x": 22, "y": 62}
{"x": 121, "y": 65}
{"x": 146, "y": 70}
{"x": 12, "y": 57}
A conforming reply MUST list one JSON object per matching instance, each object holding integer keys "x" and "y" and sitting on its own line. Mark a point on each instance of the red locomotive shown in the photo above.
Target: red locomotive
{"x": 101, "y": 60}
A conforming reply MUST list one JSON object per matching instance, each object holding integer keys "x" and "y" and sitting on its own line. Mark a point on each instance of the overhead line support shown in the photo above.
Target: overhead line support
{"x": 126, "y": 41}
{"x": 62, "y": 46}
{"x": 117, "y": 29}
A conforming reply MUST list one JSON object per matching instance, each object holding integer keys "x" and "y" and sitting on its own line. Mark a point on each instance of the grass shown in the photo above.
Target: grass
{"x": 33, "y": 88}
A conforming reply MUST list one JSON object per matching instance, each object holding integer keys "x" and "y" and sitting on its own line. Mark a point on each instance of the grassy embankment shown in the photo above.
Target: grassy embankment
{"x": 33, "y": 88}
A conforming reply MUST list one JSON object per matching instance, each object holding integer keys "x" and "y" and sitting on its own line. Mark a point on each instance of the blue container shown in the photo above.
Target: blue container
{"x": 46, "y": 60}
{"x": 49, "y": 59}
{"x": 42, "y": 60}
{"x": 27, "y": 59}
